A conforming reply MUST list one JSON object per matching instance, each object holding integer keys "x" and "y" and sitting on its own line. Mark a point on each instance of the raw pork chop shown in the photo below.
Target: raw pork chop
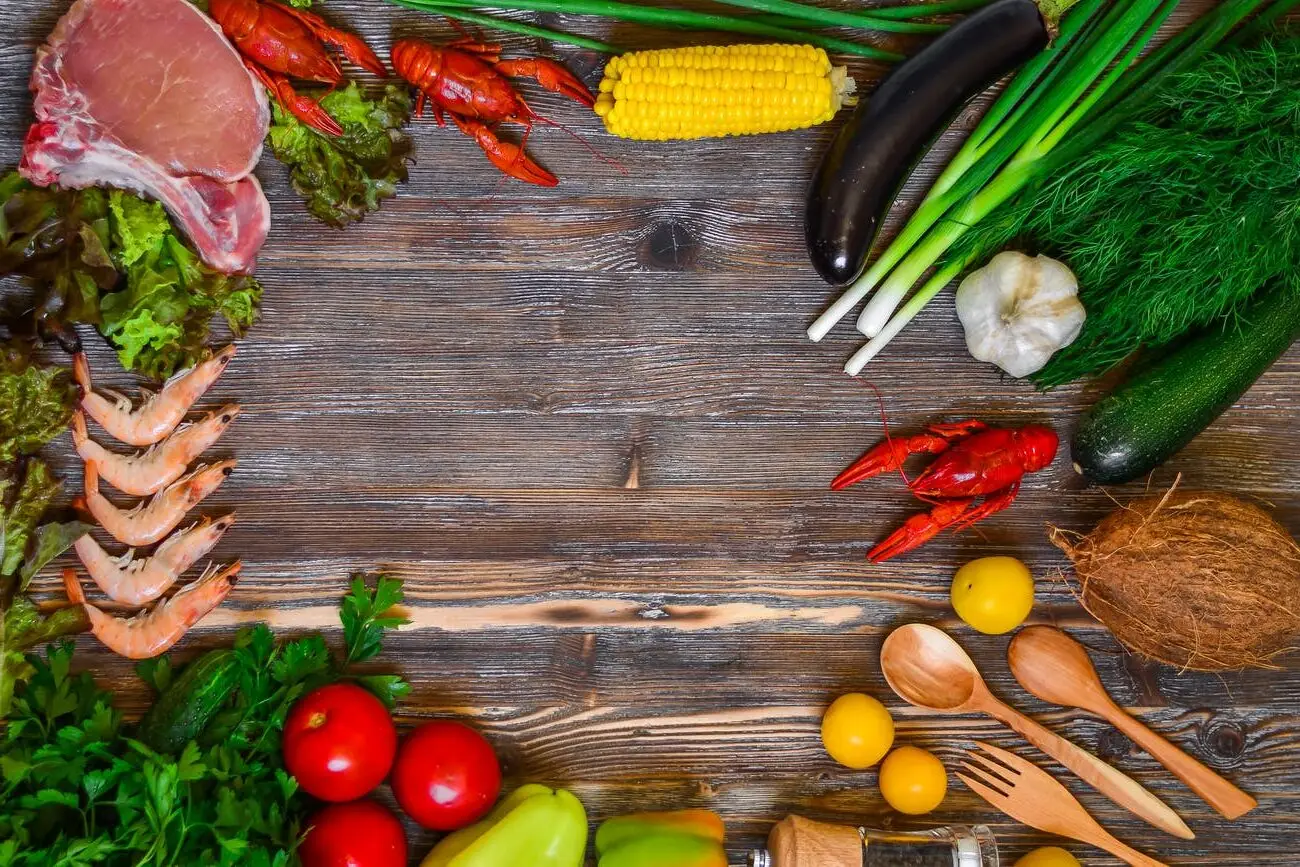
{"x": 149, "y": 95}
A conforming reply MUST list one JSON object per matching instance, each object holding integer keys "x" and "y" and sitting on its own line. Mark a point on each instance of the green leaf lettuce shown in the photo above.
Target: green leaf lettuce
{"x": 343, "y": 178}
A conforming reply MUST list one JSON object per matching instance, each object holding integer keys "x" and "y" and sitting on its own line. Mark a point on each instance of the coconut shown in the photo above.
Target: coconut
{"x": 1203, "y": 581}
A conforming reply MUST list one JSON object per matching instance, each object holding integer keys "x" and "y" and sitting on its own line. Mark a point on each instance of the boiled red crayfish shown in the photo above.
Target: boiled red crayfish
{"x": 279, "y": 43}
{"x": 975, "y": 461}
{"x": 467, "y": 80}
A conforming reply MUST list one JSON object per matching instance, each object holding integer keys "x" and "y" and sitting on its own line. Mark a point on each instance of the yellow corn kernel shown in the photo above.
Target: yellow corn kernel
{"x": 713, "y": 91}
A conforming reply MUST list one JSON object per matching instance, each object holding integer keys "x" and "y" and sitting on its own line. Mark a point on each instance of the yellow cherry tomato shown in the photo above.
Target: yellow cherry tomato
{"x": 913, "y": 781}
{"x": 1048, "y": 856}
{"x": 857, "y": 730}
{"x": 993, "y": 594}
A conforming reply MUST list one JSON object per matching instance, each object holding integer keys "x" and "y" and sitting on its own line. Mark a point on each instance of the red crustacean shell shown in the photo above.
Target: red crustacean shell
{"x": 988, "y": 462}
{"x": 458, "y": 81}
{"x": 275, "y": 39}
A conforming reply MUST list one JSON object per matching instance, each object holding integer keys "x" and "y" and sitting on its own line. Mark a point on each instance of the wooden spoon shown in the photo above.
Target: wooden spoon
{"x": 931, "y": 671}
{"x": 1056, "y": 668}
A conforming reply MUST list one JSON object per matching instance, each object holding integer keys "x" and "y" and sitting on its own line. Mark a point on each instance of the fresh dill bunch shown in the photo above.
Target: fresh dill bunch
{"x": 1175, "y": 221}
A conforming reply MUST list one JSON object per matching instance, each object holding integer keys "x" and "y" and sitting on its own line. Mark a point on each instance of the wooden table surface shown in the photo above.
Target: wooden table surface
{"x": 586, "y": 428}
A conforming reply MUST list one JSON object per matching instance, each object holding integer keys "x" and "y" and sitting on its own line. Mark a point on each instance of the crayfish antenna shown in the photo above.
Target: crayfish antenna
{"x": 607, "y": 160}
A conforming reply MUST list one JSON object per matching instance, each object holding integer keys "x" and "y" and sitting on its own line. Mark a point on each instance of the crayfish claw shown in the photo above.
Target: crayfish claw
{"x": 888, "y": 456}
{"x": 506, "y": 156}
{"x": 306, "y": 109}
{"x": 356, "y": 50}
{"x": 353, "y": 47}
{"x": 550, "y": 75}
{"x": 919, "y": 529}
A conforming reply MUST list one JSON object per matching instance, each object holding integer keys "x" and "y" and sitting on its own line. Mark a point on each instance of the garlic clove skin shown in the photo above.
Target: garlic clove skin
{"x": 1018, "y": 311}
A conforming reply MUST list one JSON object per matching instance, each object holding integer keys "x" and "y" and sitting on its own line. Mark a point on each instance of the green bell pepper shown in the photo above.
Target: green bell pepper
{"x": 532, "y": 825}
{"x": 686, "y": 838}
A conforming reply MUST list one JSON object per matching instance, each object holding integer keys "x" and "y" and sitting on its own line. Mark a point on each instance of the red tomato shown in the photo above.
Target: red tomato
{"x": 339, "y": 741}
{"x": 446, "y": 776}
{"x": 359, "y": 834}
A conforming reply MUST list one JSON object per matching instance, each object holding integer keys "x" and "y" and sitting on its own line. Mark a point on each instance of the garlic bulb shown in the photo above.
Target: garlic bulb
{"x": 1018, "y": 311}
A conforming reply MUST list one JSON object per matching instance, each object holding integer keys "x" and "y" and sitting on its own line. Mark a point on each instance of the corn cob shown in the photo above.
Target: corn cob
{"x": 710, "y": 91}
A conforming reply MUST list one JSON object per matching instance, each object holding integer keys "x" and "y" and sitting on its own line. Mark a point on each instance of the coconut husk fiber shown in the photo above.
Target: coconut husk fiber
{"x": 1203, "y": 581}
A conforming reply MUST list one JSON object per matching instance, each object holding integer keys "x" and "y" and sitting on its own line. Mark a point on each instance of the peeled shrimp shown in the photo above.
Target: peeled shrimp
{"x": 152, "y": 632}
{"x": 150, "y": 471}
{"x": 149, "y": 522}
{"x": 161, "y": 412}
{"x": 134, "y": 581}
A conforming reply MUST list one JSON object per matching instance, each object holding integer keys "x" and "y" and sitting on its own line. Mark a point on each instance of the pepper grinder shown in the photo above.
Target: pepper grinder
{"x": 800, "y": 842}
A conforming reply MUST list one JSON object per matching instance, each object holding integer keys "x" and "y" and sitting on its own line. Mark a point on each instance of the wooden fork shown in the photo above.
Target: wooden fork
{"x": 1028, "y": 794}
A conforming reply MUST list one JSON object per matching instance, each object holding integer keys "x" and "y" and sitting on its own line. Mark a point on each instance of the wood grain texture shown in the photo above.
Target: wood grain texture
{"x": 585, "y": 427}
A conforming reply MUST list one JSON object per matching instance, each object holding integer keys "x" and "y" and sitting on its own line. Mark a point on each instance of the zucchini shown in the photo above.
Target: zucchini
{"x": 1148, "y": 419}
{"x": 187, "y": 706}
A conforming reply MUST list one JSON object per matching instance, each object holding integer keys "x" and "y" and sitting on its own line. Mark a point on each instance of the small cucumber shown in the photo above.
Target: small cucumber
{"x": 186, "y": 707}
{"x": 1149, "y": 418}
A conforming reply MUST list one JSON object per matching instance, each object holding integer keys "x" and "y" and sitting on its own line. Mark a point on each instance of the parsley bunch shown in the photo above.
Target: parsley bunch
{"x": 76, "y": 788}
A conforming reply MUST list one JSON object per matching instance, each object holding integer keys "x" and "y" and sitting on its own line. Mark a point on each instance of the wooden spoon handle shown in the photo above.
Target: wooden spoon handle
{"x": 1123, "y": 851}
{"x": 1220, "y": 794}
{"x": 1112, "y": 783}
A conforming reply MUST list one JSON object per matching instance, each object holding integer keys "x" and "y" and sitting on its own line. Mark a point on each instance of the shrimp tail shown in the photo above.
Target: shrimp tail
{"x": 72, "y": 586}
{"x": 91, "y": 479}
{"x": 81, "y": 373}
{"x": 79, "y": 433}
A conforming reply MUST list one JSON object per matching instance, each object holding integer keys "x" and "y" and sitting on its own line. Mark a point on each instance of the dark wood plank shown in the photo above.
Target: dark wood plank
{"x": 584, "y": 426}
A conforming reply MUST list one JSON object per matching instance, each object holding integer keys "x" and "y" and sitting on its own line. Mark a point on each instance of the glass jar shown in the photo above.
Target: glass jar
{"x": 800, "y": 842}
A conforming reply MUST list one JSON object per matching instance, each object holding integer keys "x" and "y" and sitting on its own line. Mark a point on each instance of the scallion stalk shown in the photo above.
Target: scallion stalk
{"x": 1002, "y": 115}
{"x": 660, "y": 17}
{"x": 1135, "y": 24}
{"x": 834, "y": 17}
{"x": 927, "y": 10}
{"x": 914, "y": 305}
{"x": 507, "y": 25}
{"x": 1129, "y": 84}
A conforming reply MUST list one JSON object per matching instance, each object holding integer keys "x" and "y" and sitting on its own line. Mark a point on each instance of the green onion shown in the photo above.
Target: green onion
{"x": 660, "y": 17}
{"x": 835, "y": 18}
{"x": 940, "y": 197}
{"x": 925, "y": 10}
{"x": 507, "y": 25}
{"x": 1044, "y": 127}
{"x": 1079, "y": 90}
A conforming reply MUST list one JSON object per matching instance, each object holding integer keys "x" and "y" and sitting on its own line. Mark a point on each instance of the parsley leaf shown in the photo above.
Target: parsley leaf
{"x": 366, "y": 614}
{"x": 76, "y": 787}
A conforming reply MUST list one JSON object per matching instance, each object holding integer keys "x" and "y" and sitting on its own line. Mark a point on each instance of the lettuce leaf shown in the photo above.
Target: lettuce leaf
{"x": 160, "y": 322}
{"x": 35, "y": 404}
{"x": 59, "y": 240}
{"x": 115, "y": 260}
{"x": 18, "y": 518}
{"x": 23, "y": 627}
{"x": 139, "y": 227}
{"x": 50, "y": 541}
{"x": 343, "y": 178}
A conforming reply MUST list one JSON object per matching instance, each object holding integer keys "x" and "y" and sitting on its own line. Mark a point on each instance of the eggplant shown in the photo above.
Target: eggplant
{"x": 876, "y": 149}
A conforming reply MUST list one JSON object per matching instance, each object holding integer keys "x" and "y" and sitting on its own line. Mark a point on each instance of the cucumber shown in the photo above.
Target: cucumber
{"x": 186, "y": 707}
{"x": 1148, "y": 419}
